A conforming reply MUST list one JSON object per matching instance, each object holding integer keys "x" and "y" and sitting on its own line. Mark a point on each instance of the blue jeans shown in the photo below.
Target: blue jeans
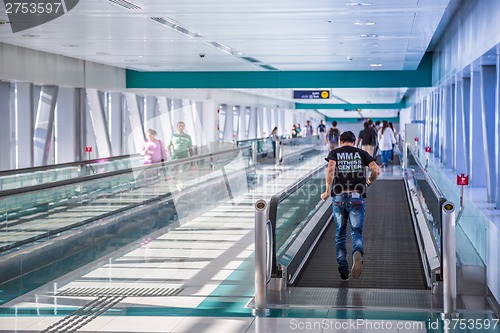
{"x": 385, "y": 155}
{"x": 346, "y": 208}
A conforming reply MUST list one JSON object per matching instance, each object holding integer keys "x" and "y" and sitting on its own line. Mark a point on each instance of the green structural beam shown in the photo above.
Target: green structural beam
{"x": 422, "y": 77}
{"x": 311, "y": 106}
{"x": 278, "y": 79}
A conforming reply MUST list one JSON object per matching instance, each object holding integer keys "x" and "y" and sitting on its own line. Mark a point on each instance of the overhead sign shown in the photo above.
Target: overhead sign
{"x": 311, "y": 94}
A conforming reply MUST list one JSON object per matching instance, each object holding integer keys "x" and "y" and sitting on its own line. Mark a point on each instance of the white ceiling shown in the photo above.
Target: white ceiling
{"x": 288, "y": 35}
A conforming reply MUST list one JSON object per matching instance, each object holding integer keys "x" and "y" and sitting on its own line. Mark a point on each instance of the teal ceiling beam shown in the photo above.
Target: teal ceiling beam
{"x": 312, "y": 106}
{"x": 421, "y": 77}
{"x": 275, "y": 79}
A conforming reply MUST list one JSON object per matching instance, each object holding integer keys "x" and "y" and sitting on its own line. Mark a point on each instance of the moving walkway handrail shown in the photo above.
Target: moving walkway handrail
{"x": 82, "y": 179}
{"x": 435, "y": 189}
{"x": 65, "y": 165}
{"x": 276, "y": 199}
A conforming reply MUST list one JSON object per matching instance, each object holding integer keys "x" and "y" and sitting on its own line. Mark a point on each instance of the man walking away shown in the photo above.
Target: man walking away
{"x": 333, "y": 136}
{"x": 346, "y": 182}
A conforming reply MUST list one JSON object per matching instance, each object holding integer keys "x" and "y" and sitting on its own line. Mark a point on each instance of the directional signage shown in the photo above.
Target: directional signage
{"x": 311, "y": 94}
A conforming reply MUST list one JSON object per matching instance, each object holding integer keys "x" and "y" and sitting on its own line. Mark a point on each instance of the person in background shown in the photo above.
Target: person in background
{"x": 274, "y": 138}
{"x": 153, "y": 149}
{"x": 299, "y": 130}
{"x": 180, "y": 145}
{"x": 308, "y": 129}
{"x": 294, "y": 131}
{"x": 321, "y": 129}
{"x": 386, "y": 140}
{"x": 346, "y": 183}
{"x": 368, "y": 138}
{"x": 333, "y": 136}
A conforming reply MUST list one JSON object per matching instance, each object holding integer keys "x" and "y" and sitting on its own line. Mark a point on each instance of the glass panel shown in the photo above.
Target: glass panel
{"x": 58, "y": 173}
{"x": 194, "y": 185}
{"x": 473, "y": 224}
{"x": 294, "y": 212}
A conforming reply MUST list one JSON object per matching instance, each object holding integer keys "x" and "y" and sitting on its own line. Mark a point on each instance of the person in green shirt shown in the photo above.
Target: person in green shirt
{"x": 180, "y": 145}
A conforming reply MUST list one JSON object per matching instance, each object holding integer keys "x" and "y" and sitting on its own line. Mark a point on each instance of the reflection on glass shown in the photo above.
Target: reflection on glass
{"x": 294, "y": 211}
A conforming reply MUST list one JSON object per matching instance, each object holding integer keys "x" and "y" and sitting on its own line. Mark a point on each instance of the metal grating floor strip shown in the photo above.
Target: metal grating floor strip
{"x": 122, "y": 292}
{"x": 357, "y": 298}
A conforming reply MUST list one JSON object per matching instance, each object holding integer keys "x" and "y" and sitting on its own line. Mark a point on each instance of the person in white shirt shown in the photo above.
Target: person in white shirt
{"x": 386, "y": 140}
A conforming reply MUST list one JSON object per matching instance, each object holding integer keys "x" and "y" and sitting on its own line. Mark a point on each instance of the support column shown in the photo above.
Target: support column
{"x": 188, "y": 110}
{"x": 228, "y": 126}
{"x": 115, "y": 123}
{"x": 242, "y": 125}
{"x": 5, "y": 127}
{"x": 488, "y": 91}
{"x": 24, "y": 125}
{"x": 44, "y": 125}
{"x": 252, "y": 123}
{"x": 198, "y": 124}
{"x": 151, "y": 118}
{"x": 497, "y": 127}
{"x": 99, "y": 123}
{"x": 177, "y": 113}
{"x": 166, "y": 126}
{"x": 66, "y": 149}
{"x": 436, "y": 123}
{"x": 476, "y": 161}
{"x": 466, "y": 121}
{"x": 459, "y": 142}
{"x": 137, "y": 137}
{"x": 446, "y": 130}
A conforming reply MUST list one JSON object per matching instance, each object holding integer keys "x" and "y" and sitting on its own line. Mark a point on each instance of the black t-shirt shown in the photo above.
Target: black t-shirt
{"x": 349, "y": 169}
{"x": 368, "y": 137}
{"x": 321, "y": 128}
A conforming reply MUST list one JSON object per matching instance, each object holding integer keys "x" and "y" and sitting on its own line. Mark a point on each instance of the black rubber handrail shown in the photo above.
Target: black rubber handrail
{"x": 82, "y": 179}
{"x": 65, "y": 165}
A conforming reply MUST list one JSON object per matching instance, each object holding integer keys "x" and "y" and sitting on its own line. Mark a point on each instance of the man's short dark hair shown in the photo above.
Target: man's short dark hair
{"x": 348, "y": 136}
{"x": 334, "y": 123}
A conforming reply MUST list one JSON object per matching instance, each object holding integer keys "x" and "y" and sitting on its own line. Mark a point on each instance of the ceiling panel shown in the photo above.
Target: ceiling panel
{"x": 285, "y": 34}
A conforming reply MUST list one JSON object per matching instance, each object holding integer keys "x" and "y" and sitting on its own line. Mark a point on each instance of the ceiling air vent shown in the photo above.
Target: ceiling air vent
{"x": 175, "y": 26}
{"x": 125, "y": 4}
{"x": 250, "y": 59}
{"x": 269, "y": 67}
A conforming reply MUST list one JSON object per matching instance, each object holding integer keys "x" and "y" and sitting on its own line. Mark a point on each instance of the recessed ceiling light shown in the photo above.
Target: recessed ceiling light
{"x": 71, "y": 45}
{"x": 375, "y": 65}
{"x": 368, "y": 35}
{"x": 366, "y": 22}
{"x": 102, "y": 53}
{"x": 359, "y": 4}
{"x": 31, "y": 36}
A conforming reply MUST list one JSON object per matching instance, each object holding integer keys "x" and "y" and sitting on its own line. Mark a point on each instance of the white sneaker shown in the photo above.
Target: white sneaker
{"x": 357, "y": 265}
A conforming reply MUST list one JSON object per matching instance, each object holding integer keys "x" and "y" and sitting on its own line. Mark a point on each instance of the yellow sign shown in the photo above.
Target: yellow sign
{"x": 325, "y": 94}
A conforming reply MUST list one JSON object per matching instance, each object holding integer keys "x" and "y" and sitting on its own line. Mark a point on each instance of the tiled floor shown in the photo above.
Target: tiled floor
{"x": 210, "y": 257}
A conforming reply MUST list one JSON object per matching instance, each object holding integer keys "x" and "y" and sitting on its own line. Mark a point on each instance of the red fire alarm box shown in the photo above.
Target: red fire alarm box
{"x": 463, "y": 179}
{"x": 428, "y": 149}
{"x": 88, "y": 149}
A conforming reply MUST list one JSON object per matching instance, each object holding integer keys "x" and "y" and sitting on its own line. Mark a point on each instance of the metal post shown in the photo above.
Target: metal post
{"x": 260, "y": 258}
{"x": 278, "y": 152}
{"x": 449, "y": 260}
{"x": 405, "y": 155}
{"x": 254, "y": 153}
